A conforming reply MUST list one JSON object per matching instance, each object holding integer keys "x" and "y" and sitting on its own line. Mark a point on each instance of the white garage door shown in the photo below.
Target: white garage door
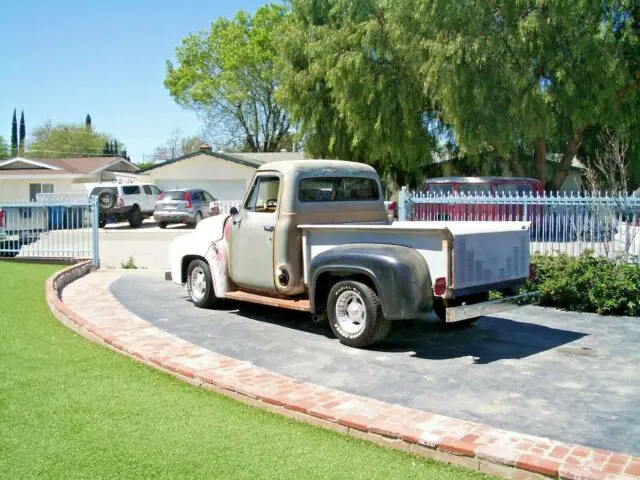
{"x": 220, "y": 189}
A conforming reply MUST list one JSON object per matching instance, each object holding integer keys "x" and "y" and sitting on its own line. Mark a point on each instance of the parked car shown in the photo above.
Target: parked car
{"x": 314, "y": 236}
{"x": 188, "y": 206}
{"x": 489, "y": 187}
{"x": 131, "y": 202}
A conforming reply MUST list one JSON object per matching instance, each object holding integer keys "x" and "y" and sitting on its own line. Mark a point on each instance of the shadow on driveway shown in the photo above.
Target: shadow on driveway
{"x": 488, "y": 340}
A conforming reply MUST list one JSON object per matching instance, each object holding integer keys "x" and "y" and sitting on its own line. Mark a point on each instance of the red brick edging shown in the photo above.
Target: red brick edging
{"x": 98, "y": 316}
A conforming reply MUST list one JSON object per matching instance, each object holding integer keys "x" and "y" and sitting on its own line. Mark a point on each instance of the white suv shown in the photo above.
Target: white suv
{"x": 131, "y": 202}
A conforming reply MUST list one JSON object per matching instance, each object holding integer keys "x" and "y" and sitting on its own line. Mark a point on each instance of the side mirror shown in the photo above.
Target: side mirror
{"x": 234, "y": 215}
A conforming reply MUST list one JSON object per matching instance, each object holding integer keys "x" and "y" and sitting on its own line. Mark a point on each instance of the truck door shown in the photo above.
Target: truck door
{"x": 251, "y": 236}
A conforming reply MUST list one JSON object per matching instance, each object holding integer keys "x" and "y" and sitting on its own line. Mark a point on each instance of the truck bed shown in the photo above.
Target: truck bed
{"x": 472, "y": 256}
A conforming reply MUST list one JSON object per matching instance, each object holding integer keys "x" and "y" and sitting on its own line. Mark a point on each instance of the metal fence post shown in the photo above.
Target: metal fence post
{"x": 95, "y": 232}
{"x": 402, "y": 204}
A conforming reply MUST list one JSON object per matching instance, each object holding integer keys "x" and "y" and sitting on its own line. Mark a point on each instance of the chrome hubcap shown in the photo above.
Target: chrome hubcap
{"x": 198, "y": 283}
{"x": 350, "y": 312}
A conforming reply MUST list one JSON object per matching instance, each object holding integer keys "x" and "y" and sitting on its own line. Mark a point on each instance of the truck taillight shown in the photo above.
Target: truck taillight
{"x": 1, "y": 218}
{"x": 187, "y": 198}
{"x": 533, "y": 271}
{"x": 392, "y": 206}
{"x": 440, "y": 286}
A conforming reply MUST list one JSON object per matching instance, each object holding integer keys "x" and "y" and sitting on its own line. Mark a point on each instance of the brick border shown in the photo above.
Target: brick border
{"x": 98, "y": 316}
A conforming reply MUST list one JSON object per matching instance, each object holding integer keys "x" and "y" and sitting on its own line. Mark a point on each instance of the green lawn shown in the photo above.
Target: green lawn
{"x": 71, "y": 409}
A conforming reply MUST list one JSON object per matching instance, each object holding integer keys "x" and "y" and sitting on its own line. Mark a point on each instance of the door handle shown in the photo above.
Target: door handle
{"x": 268, "y": 228}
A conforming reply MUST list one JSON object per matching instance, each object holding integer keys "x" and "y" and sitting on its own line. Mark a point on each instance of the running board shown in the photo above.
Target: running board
{"x": 300, "y": 305}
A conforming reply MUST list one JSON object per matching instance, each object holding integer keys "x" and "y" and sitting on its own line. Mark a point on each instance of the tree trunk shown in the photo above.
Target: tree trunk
{"x": 567, "y": 158}
{"x": 516, "y": 166}
{"x": 541, "y": 159}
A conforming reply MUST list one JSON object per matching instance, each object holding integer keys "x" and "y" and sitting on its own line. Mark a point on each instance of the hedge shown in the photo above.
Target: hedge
{"x": 587, "y": 283}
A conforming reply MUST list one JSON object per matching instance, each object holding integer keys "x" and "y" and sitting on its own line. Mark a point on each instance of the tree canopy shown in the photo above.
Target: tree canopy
{"x": 5, "y": 150}
{"x": 65, "y": 140}
{"x": 228, "y": 76}
{"x": 176, "y": 146}
{"x": 514, "y": 79}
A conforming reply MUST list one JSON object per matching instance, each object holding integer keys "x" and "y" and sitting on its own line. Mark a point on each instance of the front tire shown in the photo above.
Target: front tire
{"x": 162, "y": 225}
{"x": 355, "y": 314}
{"x": 200, "y": 284}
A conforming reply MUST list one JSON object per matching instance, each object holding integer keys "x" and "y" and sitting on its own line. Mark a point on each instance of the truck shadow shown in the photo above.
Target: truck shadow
{"x": 490, "y": 339}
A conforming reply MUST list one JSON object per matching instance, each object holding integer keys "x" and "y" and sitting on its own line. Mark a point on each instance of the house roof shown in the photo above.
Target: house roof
{"x": 57, "y": 166}
{"x": 248, "y": 159}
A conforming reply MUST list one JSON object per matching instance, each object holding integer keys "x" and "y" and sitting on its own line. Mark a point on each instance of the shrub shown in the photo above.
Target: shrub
{"x": 130, "y": 264}
{"x": 588, "y": 284}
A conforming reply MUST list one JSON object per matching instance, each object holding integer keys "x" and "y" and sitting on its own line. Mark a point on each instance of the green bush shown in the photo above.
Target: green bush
{"x": 587, "y": 284}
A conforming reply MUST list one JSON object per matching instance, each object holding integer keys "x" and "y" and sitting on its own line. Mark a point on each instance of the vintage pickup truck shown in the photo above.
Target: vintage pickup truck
{"x": 314, "y": 236}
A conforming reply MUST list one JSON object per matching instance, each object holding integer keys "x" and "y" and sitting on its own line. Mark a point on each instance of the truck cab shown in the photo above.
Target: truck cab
{"x": 314, "y": 236}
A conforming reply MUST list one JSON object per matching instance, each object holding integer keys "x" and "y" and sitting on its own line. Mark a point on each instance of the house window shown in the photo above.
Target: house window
{"x": 36, "y": 188}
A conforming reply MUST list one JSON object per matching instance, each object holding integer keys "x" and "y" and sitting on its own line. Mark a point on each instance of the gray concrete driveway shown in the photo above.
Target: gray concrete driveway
{"x": 570, "y": 377}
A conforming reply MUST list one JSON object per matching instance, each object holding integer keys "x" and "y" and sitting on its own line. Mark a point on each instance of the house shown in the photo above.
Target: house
{"x": 226, "y": 176}
{"x": 21, "y": 179}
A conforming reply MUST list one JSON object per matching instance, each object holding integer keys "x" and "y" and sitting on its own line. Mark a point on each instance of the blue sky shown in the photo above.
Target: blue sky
{"x": 61, "y": 60}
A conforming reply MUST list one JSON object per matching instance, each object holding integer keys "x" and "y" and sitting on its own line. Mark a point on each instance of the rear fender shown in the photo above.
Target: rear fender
{"x": 399, "y": 275}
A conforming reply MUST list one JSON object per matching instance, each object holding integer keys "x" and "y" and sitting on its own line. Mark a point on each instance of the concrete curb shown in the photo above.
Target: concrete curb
{"x": 98, "y": 316}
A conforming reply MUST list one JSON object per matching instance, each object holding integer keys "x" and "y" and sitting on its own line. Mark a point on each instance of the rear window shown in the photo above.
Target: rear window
{"x": 435, "y": 189}
{"x": 130, "y": 190}
{"x": 514, "y": 189}
{"x": 474, "y": 189}
{"x": 345, "y": 189}
{"x": 173, "y": 195}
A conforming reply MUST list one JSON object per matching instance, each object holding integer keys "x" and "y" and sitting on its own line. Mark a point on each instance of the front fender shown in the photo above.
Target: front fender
{"x": 399, "y": 274}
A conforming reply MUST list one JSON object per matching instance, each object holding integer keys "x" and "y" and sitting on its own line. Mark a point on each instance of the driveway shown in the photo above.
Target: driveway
{"x": 148, "y": 245}
{"x": 570, "y": 377}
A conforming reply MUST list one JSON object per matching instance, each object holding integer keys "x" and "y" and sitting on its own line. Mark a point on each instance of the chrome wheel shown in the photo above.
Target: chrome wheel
{"x": 351, "y": 313}
{"x": 198, "y": 283}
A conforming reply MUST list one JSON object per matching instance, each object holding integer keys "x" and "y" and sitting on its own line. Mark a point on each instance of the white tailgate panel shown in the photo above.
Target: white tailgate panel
{"x": 482, "y": 258}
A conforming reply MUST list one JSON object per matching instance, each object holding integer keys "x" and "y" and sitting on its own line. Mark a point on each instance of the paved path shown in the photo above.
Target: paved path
{"x": 570, "y": 377}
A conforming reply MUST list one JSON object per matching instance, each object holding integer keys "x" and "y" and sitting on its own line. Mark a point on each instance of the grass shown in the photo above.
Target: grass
{"x": 73, "y": 409}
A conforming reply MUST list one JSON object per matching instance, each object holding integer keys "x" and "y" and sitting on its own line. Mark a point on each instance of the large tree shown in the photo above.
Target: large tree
{"x": 532, "y": 73}
{"x": 228, "y": 76}
{"x": 352, "y": 89}
{"x": 66, "y": 140}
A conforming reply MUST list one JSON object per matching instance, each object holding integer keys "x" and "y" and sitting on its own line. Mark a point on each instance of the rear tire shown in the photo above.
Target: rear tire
{"x": 440, "y": 306}
{"x": 200, "y": 284}
{"x": 135, "y": 217}
{"x": 355, "y": 314}
{"x": 162, "y": 225}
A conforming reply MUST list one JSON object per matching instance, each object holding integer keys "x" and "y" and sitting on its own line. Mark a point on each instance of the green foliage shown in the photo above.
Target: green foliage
{"x": 145, "y": 165}
{"x": 23, "y": 133}
{"x": 228, "y": 76}
{"x": 130, "y": 264}
{"x": 14, "y": 135}
{"x": 73, "y": 409}
{"x": 4, "y": 148}
{"x": 66, "y": 140}
{"x": 588, "y": 284}
{"x": 349, "y": 83}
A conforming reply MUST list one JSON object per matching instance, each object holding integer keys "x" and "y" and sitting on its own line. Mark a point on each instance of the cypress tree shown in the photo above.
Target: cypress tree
{"x": 107, "y": 148}
{"x": 87, "y": 122}
{"x": 23, "y": 133}
{"x": 14, "y": 135}
{"x": 115, "y": 147}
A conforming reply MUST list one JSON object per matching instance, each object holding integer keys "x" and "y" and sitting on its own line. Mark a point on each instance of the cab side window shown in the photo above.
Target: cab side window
{"x": 263, "y": 196}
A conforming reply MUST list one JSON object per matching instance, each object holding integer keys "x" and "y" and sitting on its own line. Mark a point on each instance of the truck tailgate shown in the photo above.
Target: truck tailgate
{"x": 482, "y": 255}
